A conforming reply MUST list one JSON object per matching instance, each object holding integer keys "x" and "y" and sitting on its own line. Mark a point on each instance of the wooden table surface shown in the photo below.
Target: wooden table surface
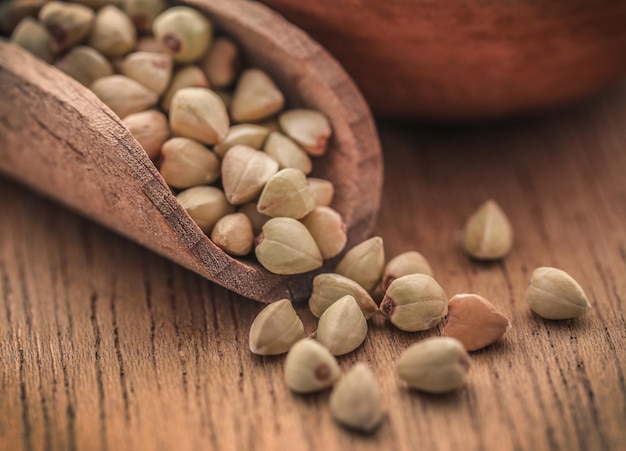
{"x": 106, "y": 346}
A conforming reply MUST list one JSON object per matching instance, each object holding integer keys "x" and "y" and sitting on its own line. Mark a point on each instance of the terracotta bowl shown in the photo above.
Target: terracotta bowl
{"x": 454, "y": 59}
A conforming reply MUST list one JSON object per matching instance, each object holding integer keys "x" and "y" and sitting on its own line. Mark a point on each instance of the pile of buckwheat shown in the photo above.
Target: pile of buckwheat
{"x": 239, "y": 164}
{"x": 413, "y": 301}
{"x": 219, "y": 133}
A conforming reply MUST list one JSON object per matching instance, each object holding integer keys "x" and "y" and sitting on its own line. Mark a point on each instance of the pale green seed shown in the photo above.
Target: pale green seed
{"x": 310, "y": 367}
{"x": 342, "y": 327}
{"x": 286, "y": 247}
{"x": 286, "y": 194}
{"x": 414, "y": 302}
{"x": 434, "y": 365}
{"x": 364, "y": 263}
{"x": 554, "y": 294}
{"x": 275, "y": 329}
{"x": 205, "y": 204}
{"x": 329, "y": 287}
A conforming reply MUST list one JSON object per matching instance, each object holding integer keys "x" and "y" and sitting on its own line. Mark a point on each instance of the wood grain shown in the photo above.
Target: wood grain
{"x": 106, "y": 346}
{"x": 57, "y": 135}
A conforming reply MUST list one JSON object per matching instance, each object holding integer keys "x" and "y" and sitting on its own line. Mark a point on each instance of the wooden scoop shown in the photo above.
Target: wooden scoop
{"x": 58, "y": 138}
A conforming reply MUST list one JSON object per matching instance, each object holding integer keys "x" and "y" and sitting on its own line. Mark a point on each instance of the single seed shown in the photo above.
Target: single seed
{"x": 67, "y": 23}
{"x": 554, "y": 294}
{"x": 245, "y": 134}
{"x": 287, "y": 153}
{"x": 410, "y": 262}
{"x": 286, "y": 194}
{"x": 205, "y": 204}
{"x": 309, "y": 128}
{"x": 186, "y": 163}
{"x": 434, "y": 365}
{"x": 143, "y": 12}
{"x": 221, "y": 63}
{"x": 414, "y": 302}
{"x": 488, "y": 233}
{"x": 256, "y": 97}
{"x": 245, "y": 172}
{"x": 364, "y": 263}
{"x": 323, "y": 191}
{"x": 123, "y": 95}
{"x": 186, "y": 77}
{"x": 153, "y": 70}
{"x": 275, "y": 329}
{"x": 184, "y": 32}
{"x": 199, "y": 114}
{"x": 474, "y": 321}
{"x": 85, "y": 65}
{"x": 329, "y": 287}
{"x": 328, "y": 230}
{"x": 286, "y": 247}
{"x": 32, "y": 36}
{"x": 257, "y": 219}
{"x": 356, "y": 402}
{"x": 342, "y": 327}
{"x": 150, "y": 129}
{"x": 310, "y": 367}
{"x": 233, "y": 234}
{"x": 113, "y": 33}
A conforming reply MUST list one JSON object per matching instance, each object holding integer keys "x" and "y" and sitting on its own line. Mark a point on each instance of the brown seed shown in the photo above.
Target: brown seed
{"x": 233, "y": 234}
{"x": 474, "y": 321}
{"x": 123, "y": 95}
{"x": 150, "y": 129}
{"x": 186, "y": 163}
{"x": 205, "y": 204}
{"x": 221, "y": 63}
